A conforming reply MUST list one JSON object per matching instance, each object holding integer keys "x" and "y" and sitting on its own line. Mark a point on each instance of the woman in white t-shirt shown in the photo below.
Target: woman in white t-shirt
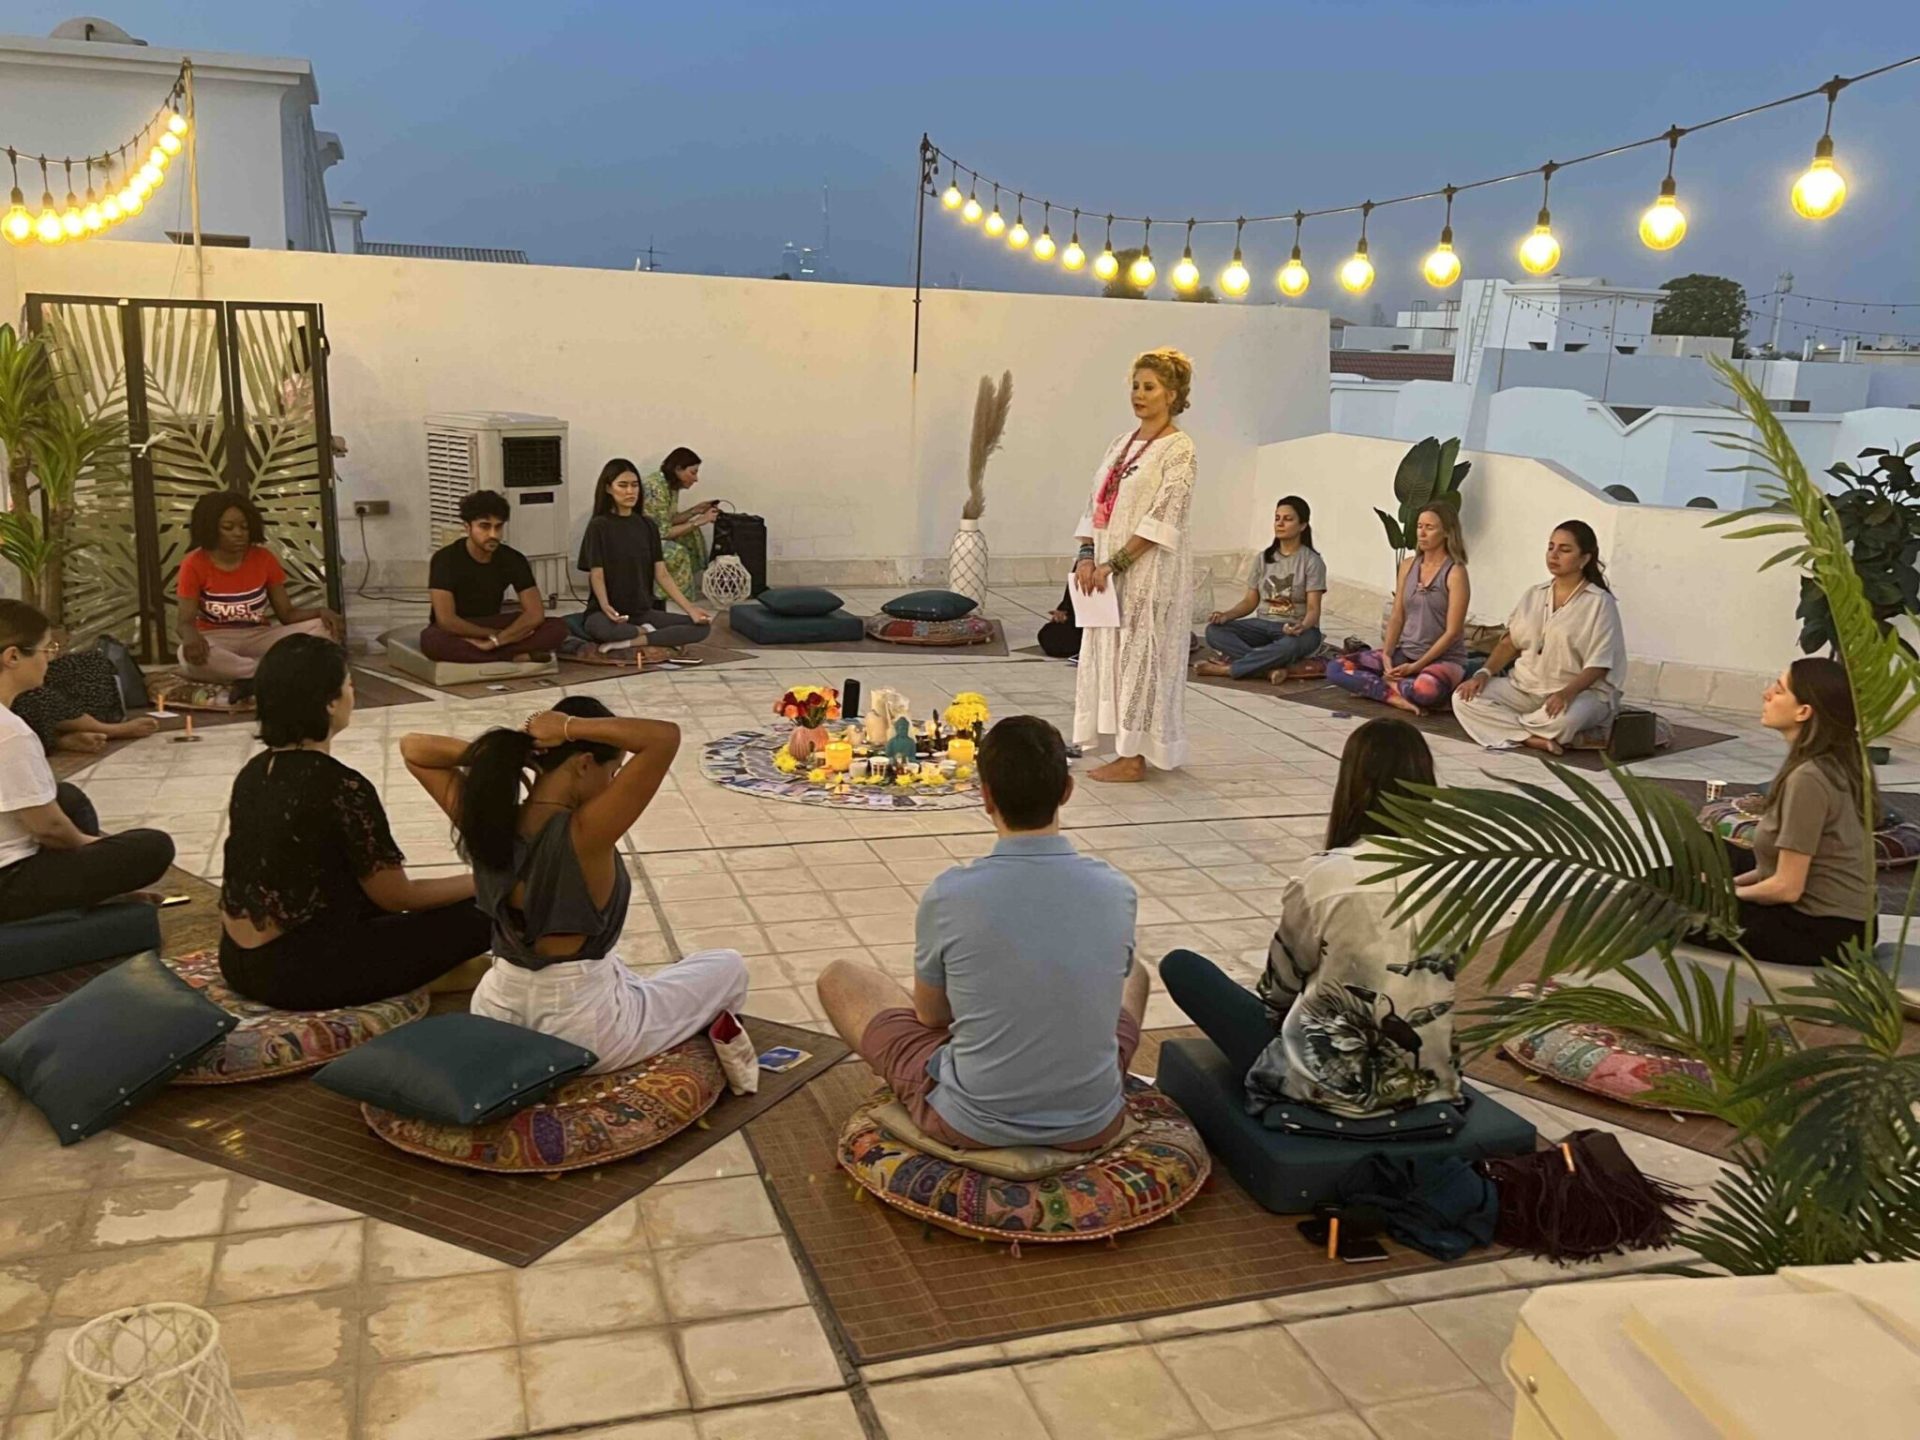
{"x": 1277, "y": 622}
{"x": 52, "y": 854}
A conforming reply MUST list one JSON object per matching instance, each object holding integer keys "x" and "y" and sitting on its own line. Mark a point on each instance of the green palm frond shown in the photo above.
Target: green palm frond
{"x": 26, "y": 384}
{"x": 24, "y": 543}
{"x": 1758, "y": 1220}
{"x": 66, "y": 443}
{"x": 1620, "y": 884}
{"x": 1885, "y": 677}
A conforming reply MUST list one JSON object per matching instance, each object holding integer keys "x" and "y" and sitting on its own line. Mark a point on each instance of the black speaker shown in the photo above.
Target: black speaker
{"x": 850, "y": 699}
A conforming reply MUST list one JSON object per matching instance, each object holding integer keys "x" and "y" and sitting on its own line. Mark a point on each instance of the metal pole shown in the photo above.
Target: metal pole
{"x": 1613, "y": 337}
{"x": 920, "y": 240}
{"x": 193, "y": 183}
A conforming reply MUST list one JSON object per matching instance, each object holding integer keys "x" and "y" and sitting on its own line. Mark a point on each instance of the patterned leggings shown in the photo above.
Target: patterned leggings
{"x": 1365, "y": 674}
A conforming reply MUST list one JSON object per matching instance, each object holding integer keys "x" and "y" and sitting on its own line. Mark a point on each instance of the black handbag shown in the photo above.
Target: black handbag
{"x": 127, "y": 678}
{"x": 745, "y": 538}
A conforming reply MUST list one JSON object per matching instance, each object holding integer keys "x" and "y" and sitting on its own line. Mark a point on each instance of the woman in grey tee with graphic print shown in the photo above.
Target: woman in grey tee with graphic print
{"x": 1277, "y": 622}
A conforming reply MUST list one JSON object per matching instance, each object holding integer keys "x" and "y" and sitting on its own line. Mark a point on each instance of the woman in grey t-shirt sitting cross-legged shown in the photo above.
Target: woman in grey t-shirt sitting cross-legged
{"x": 1277, "y": 622}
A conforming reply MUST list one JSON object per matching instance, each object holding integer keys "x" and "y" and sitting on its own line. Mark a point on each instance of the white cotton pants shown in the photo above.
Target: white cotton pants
{"x": 622, "y": 1017}
{"x": 234, "y": 653}
{"x": 1503, "y": 715}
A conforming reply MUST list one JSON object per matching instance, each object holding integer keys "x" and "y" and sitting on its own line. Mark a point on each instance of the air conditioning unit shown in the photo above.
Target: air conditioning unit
{"x": 523, "y": 457}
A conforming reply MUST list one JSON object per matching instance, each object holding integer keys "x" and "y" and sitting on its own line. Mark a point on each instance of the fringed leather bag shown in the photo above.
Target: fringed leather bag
{"x": 1582, "y": 1199}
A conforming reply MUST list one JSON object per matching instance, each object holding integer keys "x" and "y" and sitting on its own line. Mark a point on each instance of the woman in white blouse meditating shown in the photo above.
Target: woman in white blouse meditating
{"x": 1568, "y": 652}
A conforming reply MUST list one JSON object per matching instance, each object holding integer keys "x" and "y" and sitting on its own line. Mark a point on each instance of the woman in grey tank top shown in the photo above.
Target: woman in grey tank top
{"x": 539, "y": 813}
{"x": 1424, "y": 654}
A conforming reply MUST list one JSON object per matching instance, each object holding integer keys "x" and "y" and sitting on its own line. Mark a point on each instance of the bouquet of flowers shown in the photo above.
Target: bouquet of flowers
{"x": 809, "y": 706}
{"x": 967, "y": 710}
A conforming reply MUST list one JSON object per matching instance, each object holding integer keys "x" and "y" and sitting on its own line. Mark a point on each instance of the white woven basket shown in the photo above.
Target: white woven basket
{"x": 155, "y": 1372}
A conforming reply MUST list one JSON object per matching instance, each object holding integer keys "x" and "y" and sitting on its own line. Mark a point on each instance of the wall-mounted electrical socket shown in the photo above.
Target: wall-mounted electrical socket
{"x": 371, "y": 507}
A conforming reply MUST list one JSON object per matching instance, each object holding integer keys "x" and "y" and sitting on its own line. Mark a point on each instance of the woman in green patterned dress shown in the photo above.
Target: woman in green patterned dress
{"x": 684, "y": 546}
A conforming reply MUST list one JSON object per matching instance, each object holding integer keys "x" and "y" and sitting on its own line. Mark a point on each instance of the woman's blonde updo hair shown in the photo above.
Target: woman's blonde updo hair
{"x": 1174, "y": 369}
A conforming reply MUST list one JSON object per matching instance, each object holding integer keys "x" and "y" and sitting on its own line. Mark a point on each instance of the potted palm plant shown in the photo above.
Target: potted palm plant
{"x": 967, "y": 556}
{"x": 1826, "y": 1166}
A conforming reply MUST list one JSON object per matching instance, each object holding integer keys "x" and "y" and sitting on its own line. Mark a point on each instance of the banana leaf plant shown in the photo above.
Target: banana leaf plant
{"x": 1826, "y": 1165}
{"x": 26, "y": 388}
{"x": 1429, "y": 473}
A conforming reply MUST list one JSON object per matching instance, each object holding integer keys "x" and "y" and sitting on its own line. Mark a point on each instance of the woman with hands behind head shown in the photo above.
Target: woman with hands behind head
{"x": 539, "y": 812}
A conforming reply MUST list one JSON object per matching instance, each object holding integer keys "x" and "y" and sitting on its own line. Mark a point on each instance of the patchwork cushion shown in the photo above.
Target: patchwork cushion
{"x": 268, "y": 1042}
{"x": 1896, "y": 843}
{"x": 753, "y": 621}
{"x": 1145, "y": 1178}
{"x": 931, "y": 605}
{"x": 1289, "y": 1174}
{"x": 77, "y": 937}
{"x": 805, "y": 600}
{"x": 1008, "y": 1162}
{"x": 967, "y": 630}
{"x": 116, "y": 1040}
{"x": 456, "y": 1069}
{"x": 404, "y": 654}
{"x": 593, "y": 1120}
{"x": 1601, "y": 1060}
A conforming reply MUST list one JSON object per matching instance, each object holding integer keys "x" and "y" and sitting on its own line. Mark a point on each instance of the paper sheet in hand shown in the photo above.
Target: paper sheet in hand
{"x": 1098, "y": 611}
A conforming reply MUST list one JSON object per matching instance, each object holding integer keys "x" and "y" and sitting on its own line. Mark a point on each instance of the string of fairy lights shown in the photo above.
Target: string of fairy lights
{"x": 119, "y": 182}
{"x": 1818, "y": 194}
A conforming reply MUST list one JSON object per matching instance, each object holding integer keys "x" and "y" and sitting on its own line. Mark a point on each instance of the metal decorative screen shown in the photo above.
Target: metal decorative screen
{"x": 217, "y": 395}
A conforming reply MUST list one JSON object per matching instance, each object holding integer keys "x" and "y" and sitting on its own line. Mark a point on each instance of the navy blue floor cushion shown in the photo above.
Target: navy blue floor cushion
{"x": 1291, "y": 1173}
{"x": 76, "y": 937}
{"x": 753, "y": 621}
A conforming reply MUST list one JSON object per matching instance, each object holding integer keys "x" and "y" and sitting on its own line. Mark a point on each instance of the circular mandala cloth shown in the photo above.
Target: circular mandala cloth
{"x": 1600, "y": 1059}
{"x": 593, "y": 1120}
{"x": 269, "y": 1042}
{"x": 1152, "y": 1174}
{"x": 744, "y": 761}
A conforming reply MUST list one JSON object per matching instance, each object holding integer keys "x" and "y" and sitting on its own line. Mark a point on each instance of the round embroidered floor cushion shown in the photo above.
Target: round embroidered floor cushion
{"x": 1145, "y": 1178}
{"x": 1896, "y": 842}
{"x": 269, "y": 1042}
{"x": 593, "y": 1120}
{"x": 967, "y": 630}
{"x": 1600, "y": 1059}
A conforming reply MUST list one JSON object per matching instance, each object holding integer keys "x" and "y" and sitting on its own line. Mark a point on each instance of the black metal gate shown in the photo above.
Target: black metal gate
{"x": 216, "y": 395}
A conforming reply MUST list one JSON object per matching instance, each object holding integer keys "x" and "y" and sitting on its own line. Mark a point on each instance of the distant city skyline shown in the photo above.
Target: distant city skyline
{"x": 583, "y": 134}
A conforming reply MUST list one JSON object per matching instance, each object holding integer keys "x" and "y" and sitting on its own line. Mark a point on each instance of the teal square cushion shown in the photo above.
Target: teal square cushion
{"x": 931, "y": 605}
{"x": 111, "y": 1044}
{"x": 806, "y": 600}
{"x": 456, "y": 1069}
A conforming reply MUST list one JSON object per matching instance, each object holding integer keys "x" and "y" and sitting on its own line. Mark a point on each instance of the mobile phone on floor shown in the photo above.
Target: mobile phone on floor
{"x": 1355, "y": 1250}
{"x": 782, "y": 1058}
{"x": 169, "y": 901}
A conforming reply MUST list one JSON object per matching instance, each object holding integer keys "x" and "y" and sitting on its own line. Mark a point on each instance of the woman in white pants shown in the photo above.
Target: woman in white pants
{"x": 547, "y": 871}
{"x": 1567, "y": 650}
{"x": 233, "y": 593}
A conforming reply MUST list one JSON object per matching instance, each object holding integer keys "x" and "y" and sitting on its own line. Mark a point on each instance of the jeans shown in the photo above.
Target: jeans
{"x": 1365, "y": 674}
{"x": 1257, "y": 647}
{"x": 1233, "y": 1017}
{"x": 669, "y": 628}
{"x": 75, "y": 879}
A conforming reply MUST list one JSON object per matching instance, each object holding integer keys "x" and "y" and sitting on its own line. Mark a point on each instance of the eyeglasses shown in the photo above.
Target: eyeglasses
{"x": 49, "y": 648}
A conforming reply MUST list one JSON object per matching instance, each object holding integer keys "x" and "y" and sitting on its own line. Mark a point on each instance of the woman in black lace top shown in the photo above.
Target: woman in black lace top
{"x": 318, "y": 909}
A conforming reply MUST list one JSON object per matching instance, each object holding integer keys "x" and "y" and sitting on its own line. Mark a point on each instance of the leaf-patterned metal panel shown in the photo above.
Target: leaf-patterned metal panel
{"x": 276, "y": 350}
{"x": 101, "y": 590}
{"x": 187, "y": 428}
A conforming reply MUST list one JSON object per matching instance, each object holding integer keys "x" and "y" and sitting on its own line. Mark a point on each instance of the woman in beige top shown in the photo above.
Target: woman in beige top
{"x": 1807, "y": 888}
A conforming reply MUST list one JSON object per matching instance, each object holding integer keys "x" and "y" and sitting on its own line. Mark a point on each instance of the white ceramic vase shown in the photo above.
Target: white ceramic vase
{"x": 967, "y": 562}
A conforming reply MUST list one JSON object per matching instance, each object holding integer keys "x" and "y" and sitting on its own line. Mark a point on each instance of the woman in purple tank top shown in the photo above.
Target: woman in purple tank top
{"x": 1424, "y": 654}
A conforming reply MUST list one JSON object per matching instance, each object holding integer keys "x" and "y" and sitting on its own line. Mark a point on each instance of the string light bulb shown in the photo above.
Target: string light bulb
{"x": 1664, "y": 223}
{"x": 1075, "y": 255}
{"x": 90, "y": 215}
{"x": 1108, "y": 265}
{"x": 17, "y": 224}
{"x": 1540, "y": 251}
{"x": 1186, "y": 274}
{"x": 950, "y": 198}
{"x": 169, "y": 142}
{"x": 1822, "y": 190}
{"x": 46, "y": 225}
{"x": 71, "y": 220}
{"x": 1141, "y": 273}
{"x": 1234, "y": 280}
{"x": 1292, "y": 278}
{"x": 1356, "y": 274}
{"x": 1018, "y": 237}
{"x": 1043, "y": 246}
{"x": 176, "y": 122}
{"x": 971, "y": 211}
{"x": 995, "y": 223}
{"x": 1442, "y": 267}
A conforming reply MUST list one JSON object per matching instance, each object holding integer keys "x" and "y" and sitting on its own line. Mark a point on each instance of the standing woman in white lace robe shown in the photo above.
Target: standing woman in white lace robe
{"x": 1134, "y": 536}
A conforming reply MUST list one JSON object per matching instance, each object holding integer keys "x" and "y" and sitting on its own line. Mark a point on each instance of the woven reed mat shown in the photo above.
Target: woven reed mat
{"x": 293, "y": 1133}
{"x": 897, "y": 1289}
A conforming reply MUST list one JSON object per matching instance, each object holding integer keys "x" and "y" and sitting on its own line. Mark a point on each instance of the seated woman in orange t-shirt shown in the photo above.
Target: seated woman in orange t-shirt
{"x": 233, "y": 594}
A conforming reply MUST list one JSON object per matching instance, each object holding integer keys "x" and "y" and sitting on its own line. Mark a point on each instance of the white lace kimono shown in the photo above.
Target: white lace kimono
{"x": 1133, "y": 680}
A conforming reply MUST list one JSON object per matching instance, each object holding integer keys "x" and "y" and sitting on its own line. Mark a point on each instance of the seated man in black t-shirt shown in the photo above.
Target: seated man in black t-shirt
{"x": 467, "y": 581}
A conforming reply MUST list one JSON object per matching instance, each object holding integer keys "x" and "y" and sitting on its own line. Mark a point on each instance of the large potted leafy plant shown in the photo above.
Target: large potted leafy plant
{"x": 1430, "y": 473}
{"x": 1879, "y": 512}
{"x": 1827, "y": 1162}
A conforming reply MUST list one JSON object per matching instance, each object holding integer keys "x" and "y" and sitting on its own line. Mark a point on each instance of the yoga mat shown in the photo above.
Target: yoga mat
{"x": 293, "y": 1133}
{"x": 994, "y": 649}
{"x": 894, "y": 1291}
{"x": 183, "y": 928}
{"x": 570, "y": 675}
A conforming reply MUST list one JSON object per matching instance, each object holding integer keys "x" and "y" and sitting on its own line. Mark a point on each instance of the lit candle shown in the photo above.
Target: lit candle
{"x": 960, "y": 751}
{"x": 839, "y": 755}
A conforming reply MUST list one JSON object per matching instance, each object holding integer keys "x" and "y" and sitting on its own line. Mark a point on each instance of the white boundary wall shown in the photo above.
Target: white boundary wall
{"x": 799, "y": 396}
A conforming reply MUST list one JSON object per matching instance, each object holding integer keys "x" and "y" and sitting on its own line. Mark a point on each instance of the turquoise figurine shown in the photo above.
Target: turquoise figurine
{"x": 901, "y": 749}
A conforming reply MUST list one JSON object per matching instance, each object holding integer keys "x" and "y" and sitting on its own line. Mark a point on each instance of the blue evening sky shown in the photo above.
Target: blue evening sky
{"x": 577, "y": 131}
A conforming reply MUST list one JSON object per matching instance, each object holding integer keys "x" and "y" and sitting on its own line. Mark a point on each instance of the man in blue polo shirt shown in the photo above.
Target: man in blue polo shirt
{"x": 1027, "y": 1001}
